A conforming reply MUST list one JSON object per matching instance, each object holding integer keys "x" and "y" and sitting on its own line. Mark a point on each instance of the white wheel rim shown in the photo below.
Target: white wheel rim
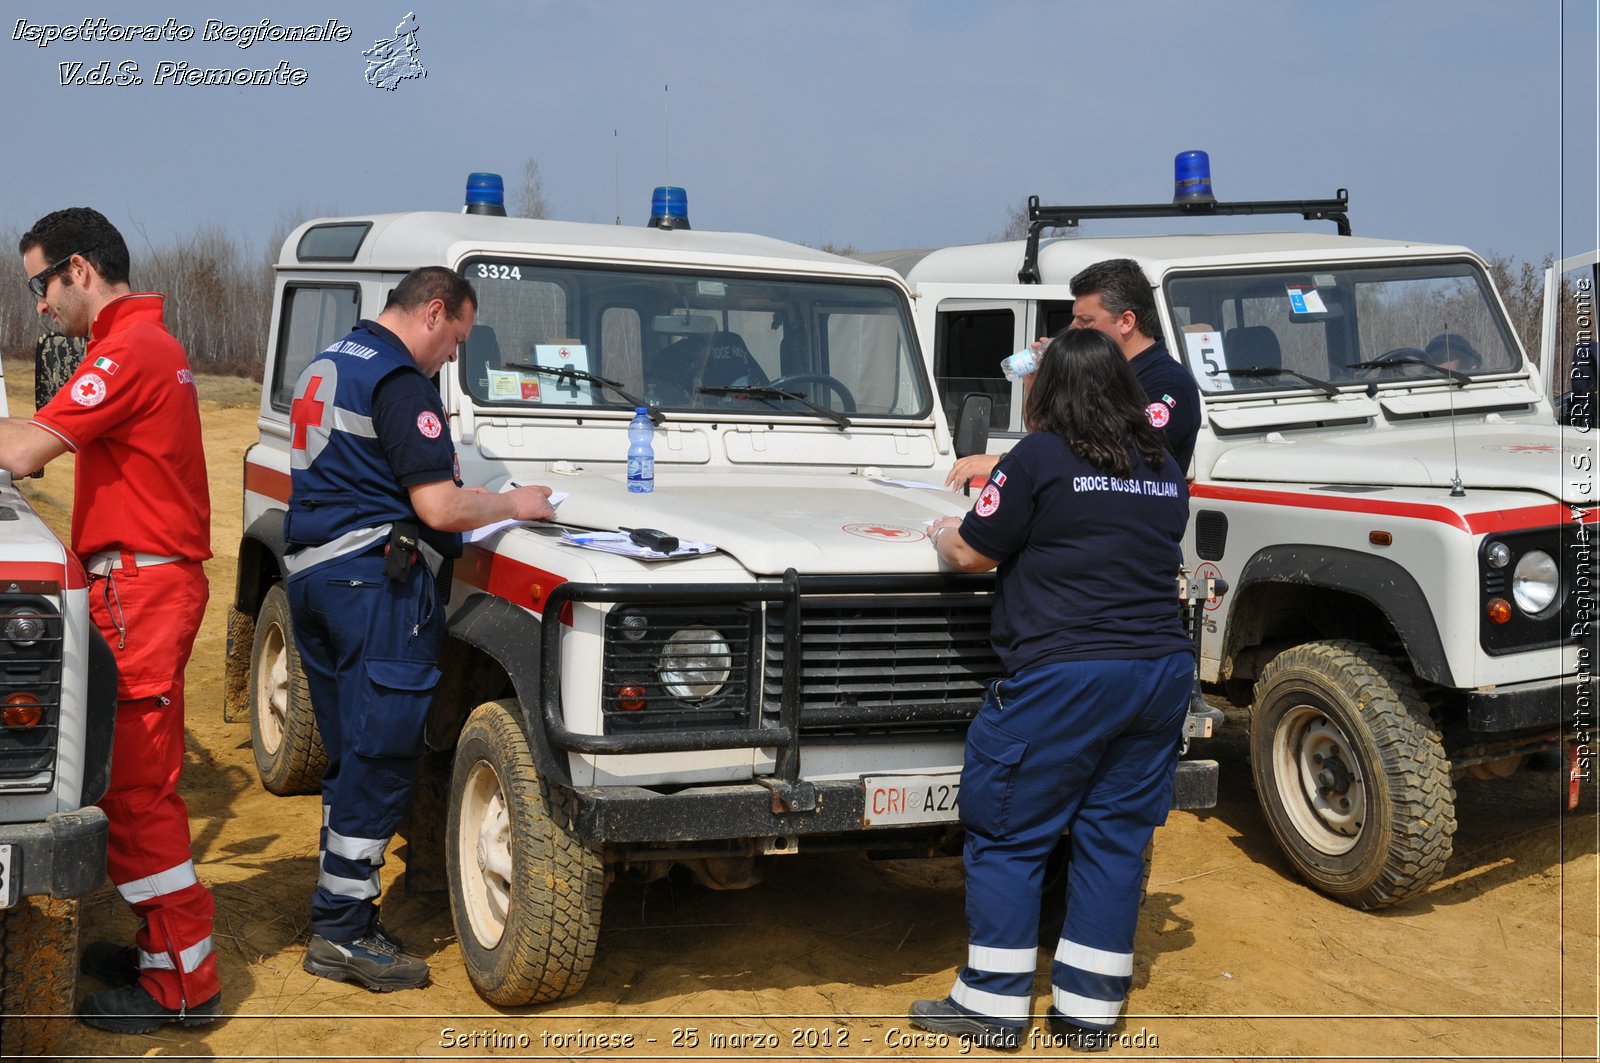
{"x": 483, "y": 853}
{"x": 272, "y": 690}
{"x": 1319, "y": 780}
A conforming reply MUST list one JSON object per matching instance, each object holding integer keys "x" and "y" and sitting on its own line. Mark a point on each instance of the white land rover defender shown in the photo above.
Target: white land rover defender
{"x": 58, "y": 691}
{"x": 811, "y": 678}
{"x": 1404, "y": 526}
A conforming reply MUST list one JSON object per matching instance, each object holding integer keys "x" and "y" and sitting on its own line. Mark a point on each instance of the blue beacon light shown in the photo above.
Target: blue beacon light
{"x": 1192, "y": 178}
{"x": 486, "y": 194}
{"x": 669, "y": 208}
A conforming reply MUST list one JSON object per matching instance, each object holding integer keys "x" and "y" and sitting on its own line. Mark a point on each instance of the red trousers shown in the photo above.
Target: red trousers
{"x": 150, "y": 616}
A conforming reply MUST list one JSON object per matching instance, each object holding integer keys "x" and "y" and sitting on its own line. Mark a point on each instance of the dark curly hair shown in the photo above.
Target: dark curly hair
{"x": 1086, "y": 393}
{"x": 1122, "y": 286}
{"x": 80, "y": 231}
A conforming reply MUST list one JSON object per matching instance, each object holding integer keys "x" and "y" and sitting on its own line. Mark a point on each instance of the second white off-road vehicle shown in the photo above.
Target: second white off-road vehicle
{"x": 1381, "y": 479}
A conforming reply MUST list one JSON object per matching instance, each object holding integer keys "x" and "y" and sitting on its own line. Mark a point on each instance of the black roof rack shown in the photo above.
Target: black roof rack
{"x": 1040, "y": 217}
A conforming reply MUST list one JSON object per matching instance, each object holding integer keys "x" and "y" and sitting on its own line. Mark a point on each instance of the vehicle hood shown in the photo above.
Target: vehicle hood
{"x": 1513, "y": 457}
{"x": 833, "y": 523}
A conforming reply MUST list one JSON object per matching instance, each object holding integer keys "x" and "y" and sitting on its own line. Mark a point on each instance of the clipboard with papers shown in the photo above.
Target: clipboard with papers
{"x": 622, "y": 543}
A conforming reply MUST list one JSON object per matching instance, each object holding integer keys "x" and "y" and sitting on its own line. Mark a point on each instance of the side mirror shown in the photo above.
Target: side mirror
{"x": 972, "y": 426}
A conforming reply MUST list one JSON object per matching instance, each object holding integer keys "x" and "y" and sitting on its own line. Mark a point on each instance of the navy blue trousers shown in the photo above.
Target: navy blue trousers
{"x": 1086, "y": 747}
{"x": 370, "y": 649}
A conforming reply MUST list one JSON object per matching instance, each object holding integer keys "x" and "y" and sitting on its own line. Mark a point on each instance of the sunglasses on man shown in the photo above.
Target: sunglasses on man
{"x": 41, "y": 280}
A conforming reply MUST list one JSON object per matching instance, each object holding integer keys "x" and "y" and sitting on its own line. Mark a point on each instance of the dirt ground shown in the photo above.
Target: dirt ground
{"x": 1236, "y": 959}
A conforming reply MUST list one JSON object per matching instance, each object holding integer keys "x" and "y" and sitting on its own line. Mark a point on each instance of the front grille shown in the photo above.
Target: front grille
{"x": 30, "y": 669}
{"x": 879, "y": 665}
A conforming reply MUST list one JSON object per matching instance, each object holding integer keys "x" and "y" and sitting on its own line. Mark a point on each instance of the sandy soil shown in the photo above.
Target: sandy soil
{"x": 1236, "y": 958}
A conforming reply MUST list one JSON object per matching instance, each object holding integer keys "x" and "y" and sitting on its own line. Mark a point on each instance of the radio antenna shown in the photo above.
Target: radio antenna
{"x": 616, "y": 175}
{"x": 666, "y": 134}
{"x": 1456, "y": 490}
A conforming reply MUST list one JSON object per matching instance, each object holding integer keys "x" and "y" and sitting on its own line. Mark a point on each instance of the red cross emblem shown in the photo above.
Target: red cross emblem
{"x": 302, "y": 412}
{"x": 886, "y": 532}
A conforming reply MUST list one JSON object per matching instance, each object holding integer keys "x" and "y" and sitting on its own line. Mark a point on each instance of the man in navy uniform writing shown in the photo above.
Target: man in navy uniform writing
{"x": 376, "y": 504}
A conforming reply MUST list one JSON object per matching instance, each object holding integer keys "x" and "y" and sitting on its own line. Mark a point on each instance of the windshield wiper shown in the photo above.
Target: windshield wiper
{"x": 1461, "y": 379}
{"x": 762, "y": 391}
{"x": 566, "y": 374}
{"x": 1271, "y": 370}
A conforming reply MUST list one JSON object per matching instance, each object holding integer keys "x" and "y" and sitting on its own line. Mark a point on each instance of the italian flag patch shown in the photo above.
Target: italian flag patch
{"x": 107, "y": 365}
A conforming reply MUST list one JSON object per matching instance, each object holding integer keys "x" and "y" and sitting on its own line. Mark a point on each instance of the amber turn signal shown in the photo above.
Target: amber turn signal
{"x": 1499, "y": 610}
{"x": 21, "y": 710}
{"x": 631, "y": 698}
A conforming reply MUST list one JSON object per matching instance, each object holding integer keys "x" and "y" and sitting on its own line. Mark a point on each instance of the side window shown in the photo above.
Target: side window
{"x": 1054, "y": 315}
{"x": 968, "y": 348}
{"x": 313, "y": 317}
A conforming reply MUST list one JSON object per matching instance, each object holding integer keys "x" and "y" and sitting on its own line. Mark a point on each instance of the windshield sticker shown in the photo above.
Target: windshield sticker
{"x": 1206, "y": 359}
{"x": 569, "y": 392}
{"x": 1306, "y": 301}
{"x": 509, "y": 385}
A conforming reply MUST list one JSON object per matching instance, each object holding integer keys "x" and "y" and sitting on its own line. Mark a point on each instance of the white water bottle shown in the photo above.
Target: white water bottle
{"x": 1024, "y": 363}
{"x": 641, "y": 452}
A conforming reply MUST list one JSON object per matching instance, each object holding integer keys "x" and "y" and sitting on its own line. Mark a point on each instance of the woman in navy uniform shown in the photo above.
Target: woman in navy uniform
{"x": 1084, "y": 519}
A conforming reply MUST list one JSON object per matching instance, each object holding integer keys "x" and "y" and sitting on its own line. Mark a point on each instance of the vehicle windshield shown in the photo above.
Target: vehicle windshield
{"x": 689, "y": 341}
{"x": 1320, "y": 321}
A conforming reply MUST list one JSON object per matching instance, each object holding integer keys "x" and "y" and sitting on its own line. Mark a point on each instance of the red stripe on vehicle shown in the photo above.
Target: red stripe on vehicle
{"x": 265, "y": 481}
{"x": 515, "y": 581}
{"x": 69, "y": 576}
{"x": 1488, "y": 521}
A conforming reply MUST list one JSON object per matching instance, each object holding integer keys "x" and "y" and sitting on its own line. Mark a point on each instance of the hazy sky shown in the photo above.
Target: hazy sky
{"x": 878, "y": 123}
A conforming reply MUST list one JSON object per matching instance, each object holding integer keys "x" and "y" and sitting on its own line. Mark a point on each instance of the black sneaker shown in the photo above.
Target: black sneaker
{"x": 131, "y": 1009}
{"x": 374, "y": 961}
{"x": 111, "y": 963}
{"x": 944, "y": 1016}
{"x": 1076, "y": 1037}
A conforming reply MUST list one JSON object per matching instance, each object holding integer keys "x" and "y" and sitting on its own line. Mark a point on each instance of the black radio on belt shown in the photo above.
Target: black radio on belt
{"x": 400, "y": 553}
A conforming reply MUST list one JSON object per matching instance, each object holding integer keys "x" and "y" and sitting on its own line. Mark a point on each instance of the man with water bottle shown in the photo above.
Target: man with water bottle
{"x": 1115, "y": 297}
{"x": 376, "y": 504}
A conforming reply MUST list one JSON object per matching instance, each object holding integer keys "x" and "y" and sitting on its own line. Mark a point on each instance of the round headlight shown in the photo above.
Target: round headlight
{"x": 24, "y": 630}
{"x": 695, "y": 662}
{"x": 1499, "y": 555}
{"x": 1535, "y": 581}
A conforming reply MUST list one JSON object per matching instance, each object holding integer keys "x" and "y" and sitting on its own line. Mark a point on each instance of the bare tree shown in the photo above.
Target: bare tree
{"x": 531, "y": 202}
{"x": 1016, "y": 227}
{"x": 1521, "y": 285}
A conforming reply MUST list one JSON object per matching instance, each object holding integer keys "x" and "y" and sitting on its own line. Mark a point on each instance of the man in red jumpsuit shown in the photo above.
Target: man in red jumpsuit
{"x": 141, "y": 526}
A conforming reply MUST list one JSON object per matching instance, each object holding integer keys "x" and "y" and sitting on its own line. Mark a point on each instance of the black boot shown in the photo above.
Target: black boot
{"x": 111, "y": 963}
{"x": 131, "y": 1009}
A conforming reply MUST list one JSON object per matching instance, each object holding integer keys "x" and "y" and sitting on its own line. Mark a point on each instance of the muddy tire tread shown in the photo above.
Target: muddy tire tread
{"x": 1416, "y": 786}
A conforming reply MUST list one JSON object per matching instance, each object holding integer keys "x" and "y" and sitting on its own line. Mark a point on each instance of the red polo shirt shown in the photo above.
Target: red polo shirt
{"x": 132, "y": 416}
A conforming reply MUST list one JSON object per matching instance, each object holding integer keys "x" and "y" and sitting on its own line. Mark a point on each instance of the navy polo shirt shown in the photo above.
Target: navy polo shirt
{"x": 410, "y": 423}
{"x": 1168, "y": 383}
{"x": 1088, "y": 562}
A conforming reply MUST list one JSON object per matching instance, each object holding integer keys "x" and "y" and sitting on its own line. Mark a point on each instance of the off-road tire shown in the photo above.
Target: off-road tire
{"x": 38, "y": 974}
{"x": 283, "y": 729}
{"x": 1370, "y": 823}
{"x": 525, "y": 895}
